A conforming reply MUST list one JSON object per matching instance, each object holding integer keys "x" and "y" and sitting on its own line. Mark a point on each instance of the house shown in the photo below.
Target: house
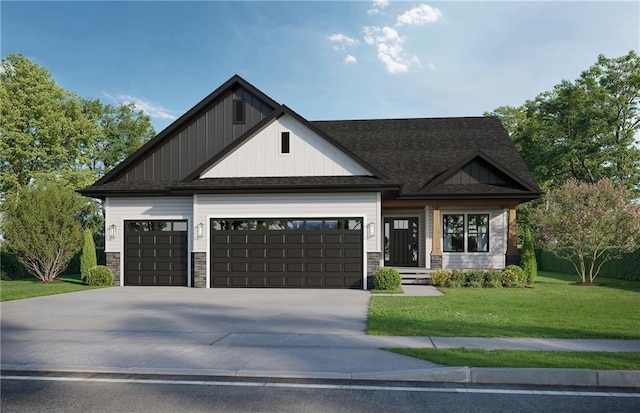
{"x": 242, "y": 191}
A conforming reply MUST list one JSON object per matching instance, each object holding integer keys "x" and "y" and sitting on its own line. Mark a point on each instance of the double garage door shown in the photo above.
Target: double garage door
{"x": 281, "y": 253}
{"x": 294, "y": 253}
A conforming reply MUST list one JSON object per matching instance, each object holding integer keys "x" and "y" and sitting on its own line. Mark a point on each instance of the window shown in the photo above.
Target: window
{"x": 470, "y": 234}
{"x": 238, "y": 111}
{"x": 284, "y": 143}
{"x": 453, "y": 232}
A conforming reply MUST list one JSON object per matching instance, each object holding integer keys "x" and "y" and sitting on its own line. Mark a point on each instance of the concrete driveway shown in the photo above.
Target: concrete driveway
{"x": 186, "y": 330}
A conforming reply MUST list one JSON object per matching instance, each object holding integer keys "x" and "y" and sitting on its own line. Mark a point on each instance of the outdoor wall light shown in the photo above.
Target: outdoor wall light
{"x": 200, "y": 230}
{"x": 112, "y": 231}
{"x": 371, "y": 229}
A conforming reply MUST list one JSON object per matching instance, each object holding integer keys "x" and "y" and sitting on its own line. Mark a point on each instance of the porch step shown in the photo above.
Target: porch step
{"x": 412, "y": 275}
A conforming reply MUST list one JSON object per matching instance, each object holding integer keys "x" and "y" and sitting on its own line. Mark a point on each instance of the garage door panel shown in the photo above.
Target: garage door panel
{"x": 295, "y": 267}
{"x": 258, "y": 239}
{"x": 315, "y": 252}
{"x": 239, "y": 253}
{"x": 276, "y": 252}
{"x": 258, "y": 253}
{"x": 295, "y": 239}
{"x": 333, "y": 267}
{"x": 239, "y": 239}
{"x": 333, "y": 253}
{"x": 155, "y": 253}
{"x": 314, "y": 267}
{"x": 297, "y": 253}
{"x": 276, "y": 266}
{"x": 258, "y": 267}
{"x": 352, "y": 239}
{"x": 276, "y": 239}
{"x": 239, "y": 267}
{"x": 221, "y": 239}
{"x": 221, "y": 267}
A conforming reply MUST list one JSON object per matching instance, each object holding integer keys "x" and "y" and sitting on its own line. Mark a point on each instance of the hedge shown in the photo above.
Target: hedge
{"x": 625, "y": 268}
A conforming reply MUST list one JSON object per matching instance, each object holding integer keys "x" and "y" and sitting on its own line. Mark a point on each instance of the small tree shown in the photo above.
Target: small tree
{"x": 40, "y": 225}
{"x": 88, "y": 258}
{"x": 589, "y": 224}
{"x": 528, "y": 258}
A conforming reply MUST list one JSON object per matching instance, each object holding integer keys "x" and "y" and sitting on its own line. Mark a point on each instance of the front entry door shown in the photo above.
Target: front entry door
{"x": 401, "y": 242}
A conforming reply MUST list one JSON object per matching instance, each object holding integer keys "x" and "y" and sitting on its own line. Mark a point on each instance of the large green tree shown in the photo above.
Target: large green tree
{"x": 42, "y": 126}
{"x": 47, "y": 132}
{"x": 587, "y": 129}
{"x": 41, "y": 224}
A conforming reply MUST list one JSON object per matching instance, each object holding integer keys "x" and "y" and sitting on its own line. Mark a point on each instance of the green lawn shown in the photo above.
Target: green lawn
{"x": 551, "y": 308}
{"x": 525, "y": 358}
{"x": 18, "y": 289}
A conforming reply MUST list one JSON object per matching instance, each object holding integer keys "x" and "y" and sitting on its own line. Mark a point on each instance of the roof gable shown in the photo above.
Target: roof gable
{"x": 477, "y": 169}
{"x": 309, "y": 155}
{"x": 196, "y": 136}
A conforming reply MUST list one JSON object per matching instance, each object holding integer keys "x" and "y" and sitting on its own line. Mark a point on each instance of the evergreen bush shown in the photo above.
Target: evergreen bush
{"x": 387, "y": 279}
{"x": 100, "y": 276}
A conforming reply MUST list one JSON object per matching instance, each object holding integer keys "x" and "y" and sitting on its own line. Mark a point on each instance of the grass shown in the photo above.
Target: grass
{"x": 27, "y": 288}
{"x": 552, "y": 308}
{"x": 396, "y": 291}
{"x": 525, "y": 358}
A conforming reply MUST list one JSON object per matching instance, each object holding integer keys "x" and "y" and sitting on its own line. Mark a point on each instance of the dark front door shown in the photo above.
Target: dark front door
{"x": 401, "y": 242}
{"x": 287, "y": 253}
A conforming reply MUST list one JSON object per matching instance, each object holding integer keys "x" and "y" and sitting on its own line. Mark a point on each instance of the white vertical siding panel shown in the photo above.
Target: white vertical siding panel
{"x": 311, "y": 155}
{"x": 428, "y": 231}
{"x": 364, "y": 205}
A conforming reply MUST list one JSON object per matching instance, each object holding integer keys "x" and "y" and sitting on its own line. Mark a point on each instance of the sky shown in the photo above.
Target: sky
{"x": 325, "y": 60}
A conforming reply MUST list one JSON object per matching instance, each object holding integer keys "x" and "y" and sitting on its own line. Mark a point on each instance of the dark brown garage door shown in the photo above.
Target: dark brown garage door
{"x": 293, "y": 253}
{"x": 155, "y": 253}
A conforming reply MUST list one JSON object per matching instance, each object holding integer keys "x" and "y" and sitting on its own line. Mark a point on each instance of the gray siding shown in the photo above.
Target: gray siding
{"x": 200, "y": 140}
{"x": 478, "y": 172}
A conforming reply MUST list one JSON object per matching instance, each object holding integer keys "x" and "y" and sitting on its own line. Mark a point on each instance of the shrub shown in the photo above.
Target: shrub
{"x": 11, "y": 268}
{"x": 474, "y": 279}
{"x": 457, "y": 279}
{"x": 493, "y": 279}
{"x": 387, "y": 279}
{"x": 99, "y": 275}
{"x": 88, "y": 258}
{"x": 528, "y": 258}
{"x": 439, "y": 278}
{"x": 513, "y": 276}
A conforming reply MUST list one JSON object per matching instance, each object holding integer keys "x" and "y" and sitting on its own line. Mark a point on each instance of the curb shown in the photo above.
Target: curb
{"x": 469, "y": 375}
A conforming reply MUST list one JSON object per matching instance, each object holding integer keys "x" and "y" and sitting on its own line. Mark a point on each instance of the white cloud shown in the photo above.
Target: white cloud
{"x": 389, "y": 45}
{"x": 154, "y": 111}
{"x": 349, "y": 60}
{"x": 378, "y": 6}
{"x": 419, "y": 15}
{"x": 341, "y": 41}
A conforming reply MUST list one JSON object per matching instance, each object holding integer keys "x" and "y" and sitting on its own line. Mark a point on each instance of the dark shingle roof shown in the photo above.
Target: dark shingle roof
{"x": 418, "y": 151}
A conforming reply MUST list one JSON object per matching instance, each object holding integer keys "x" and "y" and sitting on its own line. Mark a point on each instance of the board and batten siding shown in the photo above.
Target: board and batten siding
{"x": 363, "y": 205}
{"x": 200, "y": 140}
{"x": 310, "y": 155}
{"x": 497, "y": 242}
{"x": 118, "y": 210}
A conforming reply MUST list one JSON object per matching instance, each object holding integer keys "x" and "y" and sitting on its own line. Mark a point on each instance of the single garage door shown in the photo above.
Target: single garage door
{"x": 293, "y": 253}
{"x": 155, "y": 253}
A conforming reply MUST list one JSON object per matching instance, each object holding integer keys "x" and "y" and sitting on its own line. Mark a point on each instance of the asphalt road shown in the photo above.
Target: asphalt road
{"x": 127, "y": 394}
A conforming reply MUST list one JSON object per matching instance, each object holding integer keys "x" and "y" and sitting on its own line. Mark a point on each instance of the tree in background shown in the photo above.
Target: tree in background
{"x": 41, "y": 225}
{"x": 528, "y": 258}
{"x": 88, "y": 258}
{"x": 586, "y": 129}
{"x": 588, "y": 224}
{"x": 49, "y": 133}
